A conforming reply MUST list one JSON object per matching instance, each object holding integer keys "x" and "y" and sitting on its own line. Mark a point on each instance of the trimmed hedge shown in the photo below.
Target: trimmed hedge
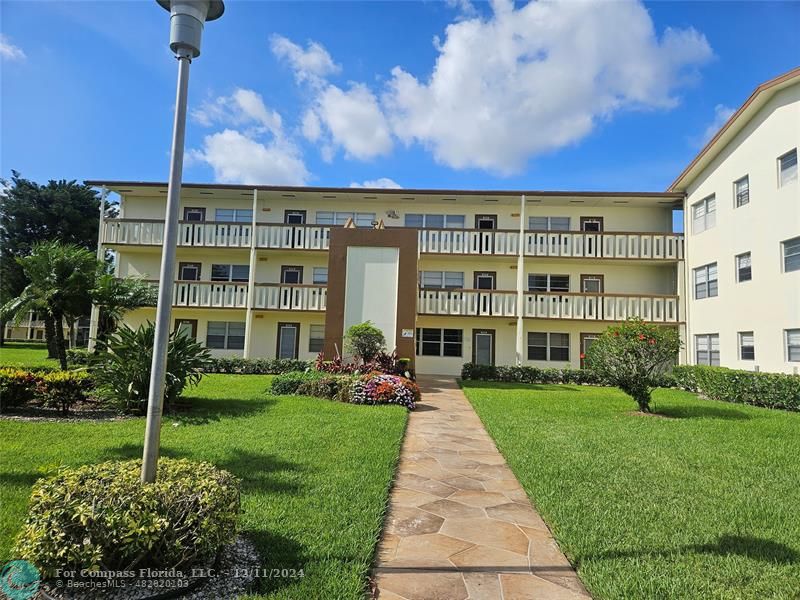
{"x": 17, "y": 387}
{"x": 525, "y": 374}
{"x": 234, "y": 365}
{"x": 102, "y": 516}
{"x": 289, "y": 383}
{"x": 771, "y": 390}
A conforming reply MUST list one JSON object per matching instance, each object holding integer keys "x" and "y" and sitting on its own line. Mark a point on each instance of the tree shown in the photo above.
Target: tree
{"x": 60, "y": 276}
{"x": 31, "y": 213}
{"x": 631, "y": 357}
{"x": 115, "y": 297}
{"x": 365, "y": 341}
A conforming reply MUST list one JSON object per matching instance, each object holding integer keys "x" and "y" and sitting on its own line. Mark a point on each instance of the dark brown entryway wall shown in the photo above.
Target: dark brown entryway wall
{"x": 342, "y": 238}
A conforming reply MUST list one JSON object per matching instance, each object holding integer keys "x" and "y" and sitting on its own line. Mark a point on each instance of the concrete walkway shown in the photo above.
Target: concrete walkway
{"x": 459, "y": 524}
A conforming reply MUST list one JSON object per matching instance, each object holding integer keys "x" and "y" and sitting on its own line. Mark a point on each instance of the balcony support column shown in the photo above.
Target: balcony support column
{"x": 520, "y": 346}
{"x": 251, "y": 282}
{"x": 94, "y": 316}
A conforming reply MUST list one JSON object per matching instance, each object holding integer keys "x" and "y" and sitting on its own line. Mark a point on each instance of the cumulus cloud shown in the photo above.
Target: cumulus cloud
{"x": 9, "y": 51}
{"x": 310, "y": 65}
{"x": 381, "y": 182}
{"x": 531, "y": 80}
{"x": 252, "y": 148}
{"x": 721, "y": 115}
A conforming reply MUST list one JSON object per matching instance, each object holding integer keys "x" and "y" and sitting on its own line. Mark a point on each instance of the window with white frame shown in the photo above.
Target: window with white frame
{"x": 704, "y": 214}
{"x": 793, "y": 345}
{"x": 787, "y": 168}
{"x": 741, "y": 191}
{"x": 225, "y": 335}
{"x": 706, "y": 349}
{"x": 421, "y": 221}
{"x": 747, "y": 345}
{"x": 548, "y": 223}
{"x": 320, "y": 276}
{"x": 744, "y": 268}
{"x": 439, "y": 342}
{"x": 548, "y": 346}
{"x": 234, "y": 215}
{"x": 316, "y": 338}
{"x": 705, "y": 281}
{"x": 326, "y": 217}
{"x": 544, "y": 282}
{"x": 791, "y": 255}
{"x": 453, "y": 280}
{"x": 230, "y": 272}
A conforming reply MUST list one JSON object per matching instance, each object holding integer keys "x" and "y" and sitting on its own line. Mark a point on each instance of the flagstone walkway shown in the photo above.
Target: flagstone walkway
{"x": 459, "y": 524}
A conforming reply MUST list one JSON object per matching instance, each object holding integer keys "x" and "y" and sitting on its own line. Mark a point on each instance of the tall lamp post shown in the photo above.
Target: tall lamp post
{"x": 187, "y": 18}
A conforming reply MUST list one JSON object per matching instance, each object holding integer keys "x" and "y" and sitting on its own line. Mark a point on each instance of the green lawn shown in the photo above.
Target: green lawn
{"x": 24, "y": 354}
{"x": 315, "y": 473}
{"x": 704, "y": 504}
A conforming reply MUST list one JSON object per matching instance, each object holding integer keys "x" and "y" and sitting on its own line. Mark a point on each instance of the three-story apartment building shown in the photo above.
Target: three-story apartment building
{"x": 449, "y": 276}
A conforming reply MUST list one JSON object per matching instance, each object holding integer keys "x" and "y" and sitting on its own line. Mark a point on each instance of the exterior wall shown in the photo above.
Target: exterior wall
{"x": 769, "y": 303}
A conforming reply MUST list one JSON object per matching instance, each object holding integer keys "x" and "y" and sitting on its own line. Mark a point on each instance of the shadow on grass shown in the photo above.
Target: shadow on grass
{"x": 702, "y": 411}
{"x": 276, "y": 552}
{"x": 201, "y": 411}
{"x": 726, "y": 545}
{"x": 25, "y": 480}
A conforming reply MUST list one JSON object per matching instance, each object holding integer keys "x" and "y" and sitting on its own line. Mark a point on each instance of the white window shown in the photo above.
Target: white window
{"x": 325, "y": 217}
{"x": 541, "y": 282}
{"x": 230, "y": 272}
{"x": 227, "y": 335}
{"x": 787, "y": 168}
{"x": 439, "y": 342}
{"x": 548, "y": 346}
{"x": 744, "y": 268}
{"x": 234, "y": 215}
{"x": 705, "y": 281}
{"x": 791, "y": 255}
{"x": 741, "y": 191}
{"x": 316, "y": 338}
{"x": 706, "y": 348}
{"x": 793, "y": 345}
{"x": 320, "y": 275}
{"x": 747, "y": 345}
{"x": 434, "y": 221}
{"x": 442, "y": 279}
{"x": 704, "y": 214}
{"x": 548, "y": 223}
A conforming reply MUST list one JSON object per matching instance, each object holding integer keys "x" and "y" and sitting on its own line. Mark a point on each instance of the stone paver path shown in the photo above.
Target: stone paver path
{"x": 459, "y": 524}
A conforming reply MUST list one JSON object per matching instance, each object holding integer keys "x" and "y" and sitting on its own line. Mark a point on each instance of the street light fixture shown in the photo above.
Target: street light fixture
{"x": 187, "y": 18}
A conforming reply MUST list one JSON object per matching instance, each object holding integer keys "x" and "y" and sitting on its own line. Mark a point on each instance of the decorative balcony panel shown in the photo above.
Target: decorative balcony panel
{"x": 587, "y": 307}
{"x": 293, "y": 237}
{"x": 290, "y": 297}
{"x": 209, "y": 294}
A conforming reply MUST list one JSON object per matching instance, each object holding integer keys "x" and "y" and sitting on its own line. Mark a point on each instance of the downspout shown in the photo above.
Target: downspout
{"x": 520, "y": 280}
{"x": 688, "y": 289}
{"x": 251, "y": 281}
{"x": 94, "y": 316}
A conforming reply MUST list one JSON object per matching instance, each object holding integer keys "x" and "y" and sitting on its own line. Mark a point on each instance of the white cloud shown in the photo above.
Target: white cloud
{"x": 310, "y": 65}
{"x": 721, "y": 115}
{"x": 10, "y": 51}
{"x": 532, "y": 80}
{"x": 253, "y": 148}
{"x": 311, "y": 127}
{"x": 381, "y": 182}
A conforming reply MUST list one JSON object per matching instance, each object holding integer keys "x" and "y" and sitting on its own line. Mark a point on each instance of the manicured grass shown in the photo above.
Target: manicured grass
{"x": 26, "y": 355}
{"x": 315, "y": 474}
{"x": 704, "y": 504}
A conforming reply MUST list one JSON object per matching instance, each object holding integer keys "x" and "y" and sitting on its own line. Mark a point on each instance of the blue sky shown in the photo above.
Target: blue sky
{"x": 612, "y": 96}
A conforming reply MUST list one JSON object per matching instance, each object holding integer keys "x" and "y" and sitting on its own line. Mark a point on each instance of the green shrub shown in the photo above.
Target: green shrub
{"x": 525, "y": 374}
{"x": 772, "y": 390}
{"x": 289, "y": 383}
{"x": 121, "y": 368}
{"x": 102, "y": 516}
{"x": 78, "y": 357}
{"x": 325, "y": 386}
{"x": 62, "y": 389}
{"x": 235, "y": 365}
{"x": 17, "y": 387}
{"x": 365, "y": 341}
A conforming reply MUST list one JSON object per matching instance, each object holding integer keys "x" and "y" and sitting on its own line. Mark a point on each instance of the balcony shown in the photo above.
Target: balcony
{"x": 621, "y": 245}
{"x": 210, "y": 294}
{"x": 572, "y": 306}
{"x": 279, "y": 296}
{"x": 267, "y": 296}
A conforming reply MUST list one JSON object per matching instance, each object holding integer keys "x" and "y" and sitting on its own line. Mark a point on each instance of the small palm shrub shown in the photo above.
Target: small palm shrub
{"x": 121, "y": 368}
{"x": 17, "y": 387}
{"x": 102, "y": 516}
{"x": 63, "y": 389}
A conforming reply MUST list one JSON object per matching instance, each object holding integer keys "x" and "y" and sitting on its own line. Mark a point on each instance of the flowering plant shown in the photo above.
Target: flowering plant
{"x": 380, "y": 388}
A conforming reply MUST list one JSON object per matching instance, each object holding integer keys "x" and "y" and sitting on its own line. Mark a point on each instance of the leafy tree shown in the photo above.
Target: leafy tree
{"x": 31, "y": 213}
{"x": 365, "y": 341}
{"x": 632, "y": 355}
{"x": 115, "y": 297}
{"x": 60, "y": 276}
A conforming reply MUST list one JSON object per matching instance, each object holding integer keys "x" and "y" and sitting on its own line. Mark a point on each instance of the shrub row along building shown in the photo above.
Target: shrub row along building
{"x": 499, "y": 277}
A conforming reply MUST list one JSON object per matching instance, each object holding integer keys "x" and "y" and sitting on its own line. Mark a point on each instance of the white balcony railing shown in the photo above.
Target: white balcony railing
{"x": 496, "y": 242}
{"x": 210, "y": 294}
{"x": 290, "y": 297}
{"x": 589, "y": 307}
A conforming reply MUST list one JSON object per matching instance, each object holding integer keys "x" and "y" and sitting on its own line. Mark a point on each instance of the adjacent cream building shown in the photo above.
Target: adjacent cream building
{"x": 499, "y": 277}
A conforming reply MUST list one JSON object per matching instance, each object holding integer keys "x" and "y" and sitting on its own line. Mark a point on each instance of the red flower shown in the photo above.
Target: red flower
{"x": 641, "y": 336}
{"x": 652, "y": 342}
{"x": 616, "y": 334}
{"x": 583, "y": 356}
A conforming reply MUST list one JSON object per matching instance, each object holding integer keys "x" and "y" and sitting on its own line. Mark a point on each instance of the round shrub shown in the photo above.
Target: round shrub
{"x": 63, "y": 389}
{"x": 102, "y": 516}
{"x": 17, "y": 387}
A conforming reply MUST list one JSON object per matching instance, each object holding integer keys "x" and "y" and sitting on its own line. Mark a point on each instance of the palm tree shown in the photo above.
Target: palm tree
{"x": 60, "y": 276}
{"x": 115, "y": 297}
